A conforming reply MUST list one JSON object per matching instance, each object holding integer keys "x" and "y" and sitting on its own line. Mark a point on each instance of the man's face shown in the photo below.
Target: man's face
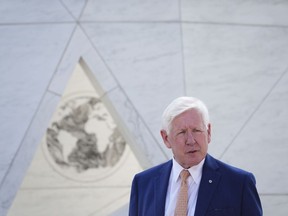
{"x": 188, "y": 138}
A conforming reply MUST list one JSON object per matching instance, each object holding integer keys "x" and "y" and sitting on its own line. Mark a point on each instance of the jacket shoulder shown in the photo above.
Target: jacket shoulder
{"x": 153, "y": 171}
{"x": 228, "y": 169}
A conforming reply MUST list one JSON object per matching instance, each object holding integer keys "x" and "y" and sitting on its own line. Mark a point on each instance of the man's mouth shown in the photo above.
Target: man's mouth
{"x": 191, "y": 152}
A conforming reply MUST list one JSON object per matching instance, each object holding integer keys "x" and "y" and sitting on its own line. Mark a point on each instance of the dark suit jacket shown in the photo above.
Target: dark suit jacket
{"x": 224, "y": 190}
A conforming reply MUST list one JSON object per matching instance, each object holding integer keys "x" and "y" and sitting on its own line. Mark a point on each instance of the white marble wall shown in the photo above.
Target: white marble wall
{"x": 235, "y": 57}
{"x": 232, "y": 54}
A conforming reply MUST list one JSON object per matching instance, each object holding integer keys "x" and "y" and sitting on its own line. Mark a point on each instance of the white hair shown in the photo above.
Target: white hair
{"x": 180, "y": 105}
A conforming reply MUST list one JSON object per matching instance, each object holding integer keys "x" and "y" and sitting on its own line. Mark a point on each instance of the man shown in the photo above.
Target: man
{"x": 193, "y": 181}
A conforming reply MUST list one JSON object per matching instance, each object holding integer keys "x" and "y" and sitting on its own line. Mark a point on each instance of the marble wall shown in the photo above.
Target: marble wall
{"x": 142, "y": 54}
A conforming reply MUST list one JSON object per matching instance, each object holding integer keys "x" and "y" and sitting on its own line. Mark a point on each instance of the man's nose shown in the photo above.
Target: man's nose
{"x": 190, "y": 138}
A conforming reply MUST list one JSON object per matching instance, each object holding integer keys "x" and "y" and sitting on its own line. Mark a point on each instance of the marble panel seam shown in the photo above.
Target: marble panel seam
{"x": 273, "y": 194}
{"x": 234, "y": 24}
{"x": 182, "y": 55}
{"x": 143, "y": 121}
{"x": 145, "y": 22}
{"x": 61, "y": 59}
{"x": 37, "y": 23}
{"x": 98, "y": 52}
{"x": 82, "y": 10}
{"x": 75, "y": 187}
{"x": 54, "y": 93}
{"x": 130, "y": 22}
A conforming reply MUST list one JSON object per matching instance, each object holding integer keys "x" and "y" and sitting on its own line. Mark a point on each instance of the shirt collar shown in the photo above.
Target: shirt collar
{"x": 195, "y": 171}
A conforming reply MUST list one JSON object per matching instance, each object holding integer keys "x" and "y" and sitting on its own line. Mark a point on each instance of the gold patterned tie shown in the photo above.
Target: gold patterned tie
{"x": 182, "y": 201}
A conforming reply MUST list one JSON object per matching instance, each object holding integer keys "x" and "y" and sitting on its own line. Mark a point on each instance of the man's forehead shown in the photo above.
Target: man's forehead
{"x": 185, "y": 123}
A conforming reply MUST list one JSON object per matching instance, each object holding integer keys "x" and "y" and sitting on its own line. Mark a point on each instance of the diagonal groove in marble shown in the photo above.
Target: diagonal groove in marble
{"x": 253, "y": 113}
{"x": 122, "y": 89}
{"x": 98, "y": 52}
{"x": 39, "y": 102}
{"x": 261, "y": 148}
{"x": 21, "y": 144}
{"x": 20, "y": 147}
{"x": 21, "y": 163}
{"x": 75, "y": 14}
{"x": 67, "y": 9}
{"x": 61, "y": 59}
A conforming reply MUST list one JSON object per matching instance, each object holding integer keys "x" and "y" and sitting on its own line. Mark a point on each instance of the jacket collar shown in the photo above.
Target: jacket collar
{"x": 160, "y": 188}
{"x": 208, "y": 184}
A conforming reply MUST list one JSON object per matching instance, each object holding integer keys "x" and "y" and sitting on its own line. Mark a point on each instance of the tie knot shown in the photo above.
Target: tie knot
{"x": 184, "y": 175}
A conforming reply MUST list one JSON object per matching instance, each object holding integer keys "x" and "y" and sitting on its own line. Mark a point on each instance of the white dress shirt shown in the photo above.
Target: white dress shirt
{"x": 174, "y": 187}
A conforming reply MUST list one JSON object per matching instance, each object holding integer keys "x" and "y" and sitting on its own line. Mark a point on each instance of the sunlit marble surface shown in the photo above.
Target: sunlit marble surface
{"x": 73, "y": 201}
{"x": 131, "y": 10}
{"x": 262, "y": 141}
{"x": 81, "y": 47}
{"x": 236, "y": 12}
{"x": 27, "y": 65}
{"x": 231, "y": 54}
{"x": 235, "y": 60}
{"x": 240, "y": 65}
{"x": 33, "y": 11}
{"x": 23, "y": 156}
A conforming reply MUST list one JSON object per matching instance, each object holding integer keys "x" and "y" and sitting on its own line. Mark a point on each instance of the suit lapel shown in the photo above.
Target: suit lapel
{"x": 160, "y": 188}
{"x": 209, "y": 182}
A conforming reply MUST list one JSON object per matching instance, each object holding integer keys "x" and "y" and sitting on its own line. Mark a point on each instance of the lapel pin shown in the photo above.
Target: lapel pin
{"x": 210, "y": 181}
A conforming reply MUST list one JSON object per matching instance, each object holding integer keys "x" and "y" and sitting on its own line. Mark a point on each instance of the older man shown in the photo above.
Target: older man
{"x": 193, "y": 182}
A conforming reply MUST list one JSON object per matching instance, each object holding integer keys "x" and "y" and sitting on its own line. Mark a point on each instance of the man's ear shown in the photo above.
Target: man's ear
{"x": 209, "y": 132}
{"x": 164, "y": 136}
